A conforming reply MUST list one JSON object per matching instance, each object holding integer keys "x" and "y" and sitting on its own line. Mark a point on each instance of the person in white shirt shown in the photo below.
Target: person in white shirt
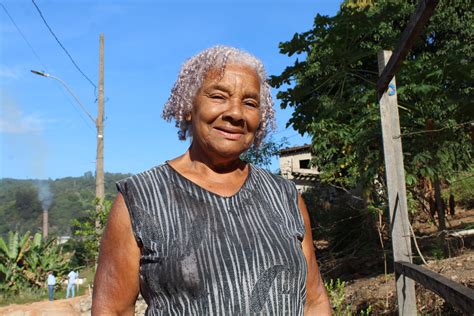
{"x": 51, "y": 283}
{"x": 72, "y": 276}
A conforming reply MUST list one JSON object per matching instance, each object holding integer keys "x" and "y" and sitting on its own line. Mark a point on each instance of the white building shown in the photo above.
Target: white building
{"x": 295, "y": 165}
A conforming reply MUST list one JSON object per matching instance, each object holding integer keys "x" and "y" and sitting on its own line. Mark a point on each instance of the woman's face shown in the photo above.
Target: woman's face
{"x": 226, "y": 111}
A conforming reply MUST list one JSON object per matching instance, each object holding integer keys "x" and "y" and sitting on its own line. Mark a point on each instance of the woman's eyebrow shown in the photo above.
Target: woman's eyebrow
{"x": 227, "y": 89}
{"x": 219, "y": 86}
{"x": 253, "y": 95}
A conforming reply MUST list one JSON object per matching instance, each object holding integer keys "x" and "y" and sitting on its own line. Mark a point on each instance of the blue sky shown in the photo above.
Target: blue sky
{"x": 44, "y": 133}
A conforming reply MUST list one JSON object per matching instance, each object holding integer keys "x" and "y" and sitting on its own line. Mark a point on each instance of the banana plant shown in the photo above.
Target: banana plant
{"x": 12, "y": 263}
{"x": 45, "y": 256}
{"x": 25, "y": 260}
{"x": 15, "y": 247}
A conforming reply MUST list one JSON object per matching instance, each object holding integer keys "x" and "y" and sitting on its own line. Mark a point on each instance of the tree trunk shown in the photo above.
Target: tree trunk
{"x": 452, "y": 205}
{"x": 439, "y": 205}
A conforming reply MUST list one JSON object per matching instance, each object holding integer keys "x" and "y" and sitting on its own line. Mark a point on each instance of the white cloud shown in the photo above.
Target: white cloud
{"x": 9, "y": 72}
{"x": 14, "y": 121}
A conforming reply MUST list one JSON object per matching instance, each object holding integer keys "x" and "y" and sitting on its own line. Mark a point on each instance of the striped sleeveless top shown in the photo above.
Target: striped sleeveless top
{"x": 204, "y": 254}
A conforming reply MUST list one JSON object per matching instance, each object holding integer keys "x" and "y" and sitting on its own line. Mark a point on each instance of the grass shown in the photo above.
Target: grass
{"x": 30, "y": 296}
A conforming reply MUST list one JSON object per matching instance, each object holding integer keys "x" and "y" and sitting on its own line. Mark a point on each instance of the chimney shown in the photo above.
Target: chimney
{"x": 45, "y": 223}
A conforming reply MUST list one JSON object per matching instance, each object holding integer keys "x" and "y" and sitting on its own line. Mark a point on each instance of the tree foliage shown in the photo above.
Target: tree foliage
{"x": 331, "y": 87}
{"x": 25, "y": 261}
{"x": 26, "y": 203}
{"x": 20, "y": 208}
{"x": 89, "y": 234}
{"x": 262, "y": 156}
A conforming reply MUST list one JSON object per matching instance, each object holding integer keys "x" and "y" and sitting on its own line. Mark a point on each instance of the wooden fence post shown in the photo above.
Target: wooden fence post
{"x": 395, "y": 174}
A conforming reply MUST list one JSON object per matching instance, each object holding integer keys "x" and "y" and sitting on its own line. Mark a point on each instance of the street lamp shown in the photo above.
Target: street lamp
{"x": 100, "y": 133}
{"x": 40, "y": 73}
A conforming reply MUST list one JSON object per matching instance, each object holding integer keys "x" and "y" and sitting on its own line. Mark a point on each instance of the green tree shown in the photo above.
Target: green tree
{"x": 262, "y": 156}
{"x": 20, "y": 209}
{"x": 27, "y": 204}
{"x": 89, "y": 235}
{"x": 331, "y": 87}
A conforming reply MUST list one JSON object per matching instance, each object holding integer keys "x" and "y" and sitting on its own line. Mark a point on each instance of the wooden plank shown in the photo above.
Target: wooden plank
{"x": 462, "y": 233}
{"x": 417, "y": 21}
{"x": 452, "y": 292}
{"x": 395, "y": 174}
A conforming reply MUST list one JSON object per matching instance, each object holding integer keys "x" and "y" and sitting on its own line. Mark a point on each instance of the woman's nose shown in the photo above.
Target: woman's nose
{"x": 234, "y": 110}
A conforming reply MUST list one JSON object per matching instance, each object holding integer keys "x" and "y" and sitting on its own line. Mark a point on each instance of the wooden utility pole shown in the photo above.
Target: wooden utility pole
{"x": 99, "y": 175}
{"x": 395, "y": 173}
{"x": 392, "y": 145}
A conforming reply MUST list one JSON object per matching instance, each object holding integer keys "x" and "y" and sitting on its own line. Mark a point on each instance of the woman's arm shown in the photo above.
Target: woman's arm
{"x": 317, "y": 302}
{"x": 116, "y": 283}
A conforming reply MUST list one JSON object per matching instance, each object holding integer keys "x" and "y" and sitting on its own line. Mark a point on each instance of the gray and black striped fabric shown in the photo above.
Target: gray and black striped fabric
{"x": 204, "y": 254}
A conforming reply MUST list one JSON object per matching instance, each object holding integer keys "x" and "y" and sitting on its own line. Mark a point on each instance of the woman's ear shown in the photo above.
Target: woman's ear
{"x": 188, "y": 117}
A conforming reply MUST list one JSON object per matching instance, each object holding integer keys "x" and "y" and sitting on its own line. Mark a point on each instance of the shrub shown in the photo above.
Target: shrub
{"x": 25, "y": 261}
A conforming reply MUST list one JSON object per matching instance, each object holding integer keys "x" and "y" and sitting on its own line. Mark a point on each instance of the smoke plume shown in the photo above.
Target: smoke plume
{"x": 45, "y": 195}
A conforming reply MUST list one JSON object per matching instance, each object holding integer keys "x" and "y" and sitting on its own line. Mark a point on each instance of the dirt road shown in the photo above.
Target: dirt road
{"x": 77, "y": 306}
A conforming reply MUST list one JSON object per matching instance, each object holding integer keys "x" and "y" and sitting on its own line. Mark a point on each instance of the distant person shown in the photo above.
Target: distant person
{"x": 71, "y": 282}
{"x": 207, "y": 233}
{"x": 51, "y": 283}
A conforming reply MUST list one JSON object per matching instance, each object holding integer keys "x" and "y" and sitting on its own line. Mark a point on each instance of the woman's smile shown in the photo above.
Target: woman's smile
{"x": 230, "y": 133}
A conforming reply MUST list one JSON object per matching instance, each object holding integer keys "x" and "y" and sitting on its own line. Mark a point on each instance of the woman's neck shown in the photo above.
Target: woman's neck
{"x": 224, "y": 179}
{"x": 201, "y": 164}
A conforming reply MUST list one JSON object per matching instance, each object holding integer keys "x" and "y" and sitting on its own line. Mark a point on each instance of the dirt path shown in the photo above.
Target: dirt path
{"x": 380, "y": 293}
{"x": 77, "y": 306}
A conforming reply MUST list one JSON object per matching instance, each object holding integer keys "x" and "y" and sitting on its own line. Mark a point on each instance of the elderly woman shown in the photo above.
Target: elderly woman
{"x": 207, "y": 233}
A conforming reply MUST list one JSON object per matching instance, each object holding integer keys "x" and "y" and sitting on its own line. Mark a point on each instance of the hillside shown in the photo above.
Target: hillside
{"x": 22, "y": 201}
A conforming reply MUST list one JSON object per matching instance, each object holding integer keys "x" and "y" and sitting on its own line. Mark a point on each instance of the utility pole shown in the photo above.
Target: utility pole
{"x": 395, "y": 175}
{"x": 393, "y": 153}
{"x": 99, "y": 176}
{"x": 99, "y": 123}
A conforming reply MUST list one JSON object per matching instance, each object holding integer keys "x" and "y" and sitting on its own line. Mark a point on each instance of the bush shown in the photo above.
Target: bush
{"x": 88, "y": 234}
{"x": 336, "y": 291}
{"x": 25, "y": 261}
{"x": 463, "y": 190}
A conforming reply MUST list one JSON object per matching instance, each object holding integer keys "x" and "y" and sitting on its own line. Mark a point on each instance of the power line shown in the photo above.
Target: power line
{"x": 62, "y": 46}
{"x": 40, "y": 61}
{"x": 23, "y": 36}
{"x": 88, "y": 123}
{"x": 434, "y": 130}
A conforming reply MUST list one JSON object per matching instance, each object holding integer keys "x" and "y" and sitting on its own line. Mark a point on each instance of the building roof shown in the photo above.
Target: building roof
{"x": 305, "y": 176}
{"x": 290, "y": 150}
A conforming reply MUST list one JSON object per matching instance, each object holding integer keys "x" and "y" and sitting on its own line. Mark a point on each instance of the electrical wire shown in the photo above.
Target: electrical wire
{"x": 433, "y": 130}
{"x": 42, "y": 64}
{"x": 22, "y": 35}
{"x": 62, "y": 46}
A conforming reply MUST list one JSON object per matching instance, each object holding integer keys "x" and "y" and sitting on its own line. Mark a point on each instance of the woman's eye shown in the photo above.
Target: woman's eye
{"x": 217, "y": 97}
{"x": 251, "y": 104}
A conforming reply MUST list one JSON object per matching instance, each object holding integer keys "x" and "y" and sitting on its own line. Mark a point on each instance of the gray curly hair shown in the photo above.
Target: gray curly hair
{"x": 191, "y": 78}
